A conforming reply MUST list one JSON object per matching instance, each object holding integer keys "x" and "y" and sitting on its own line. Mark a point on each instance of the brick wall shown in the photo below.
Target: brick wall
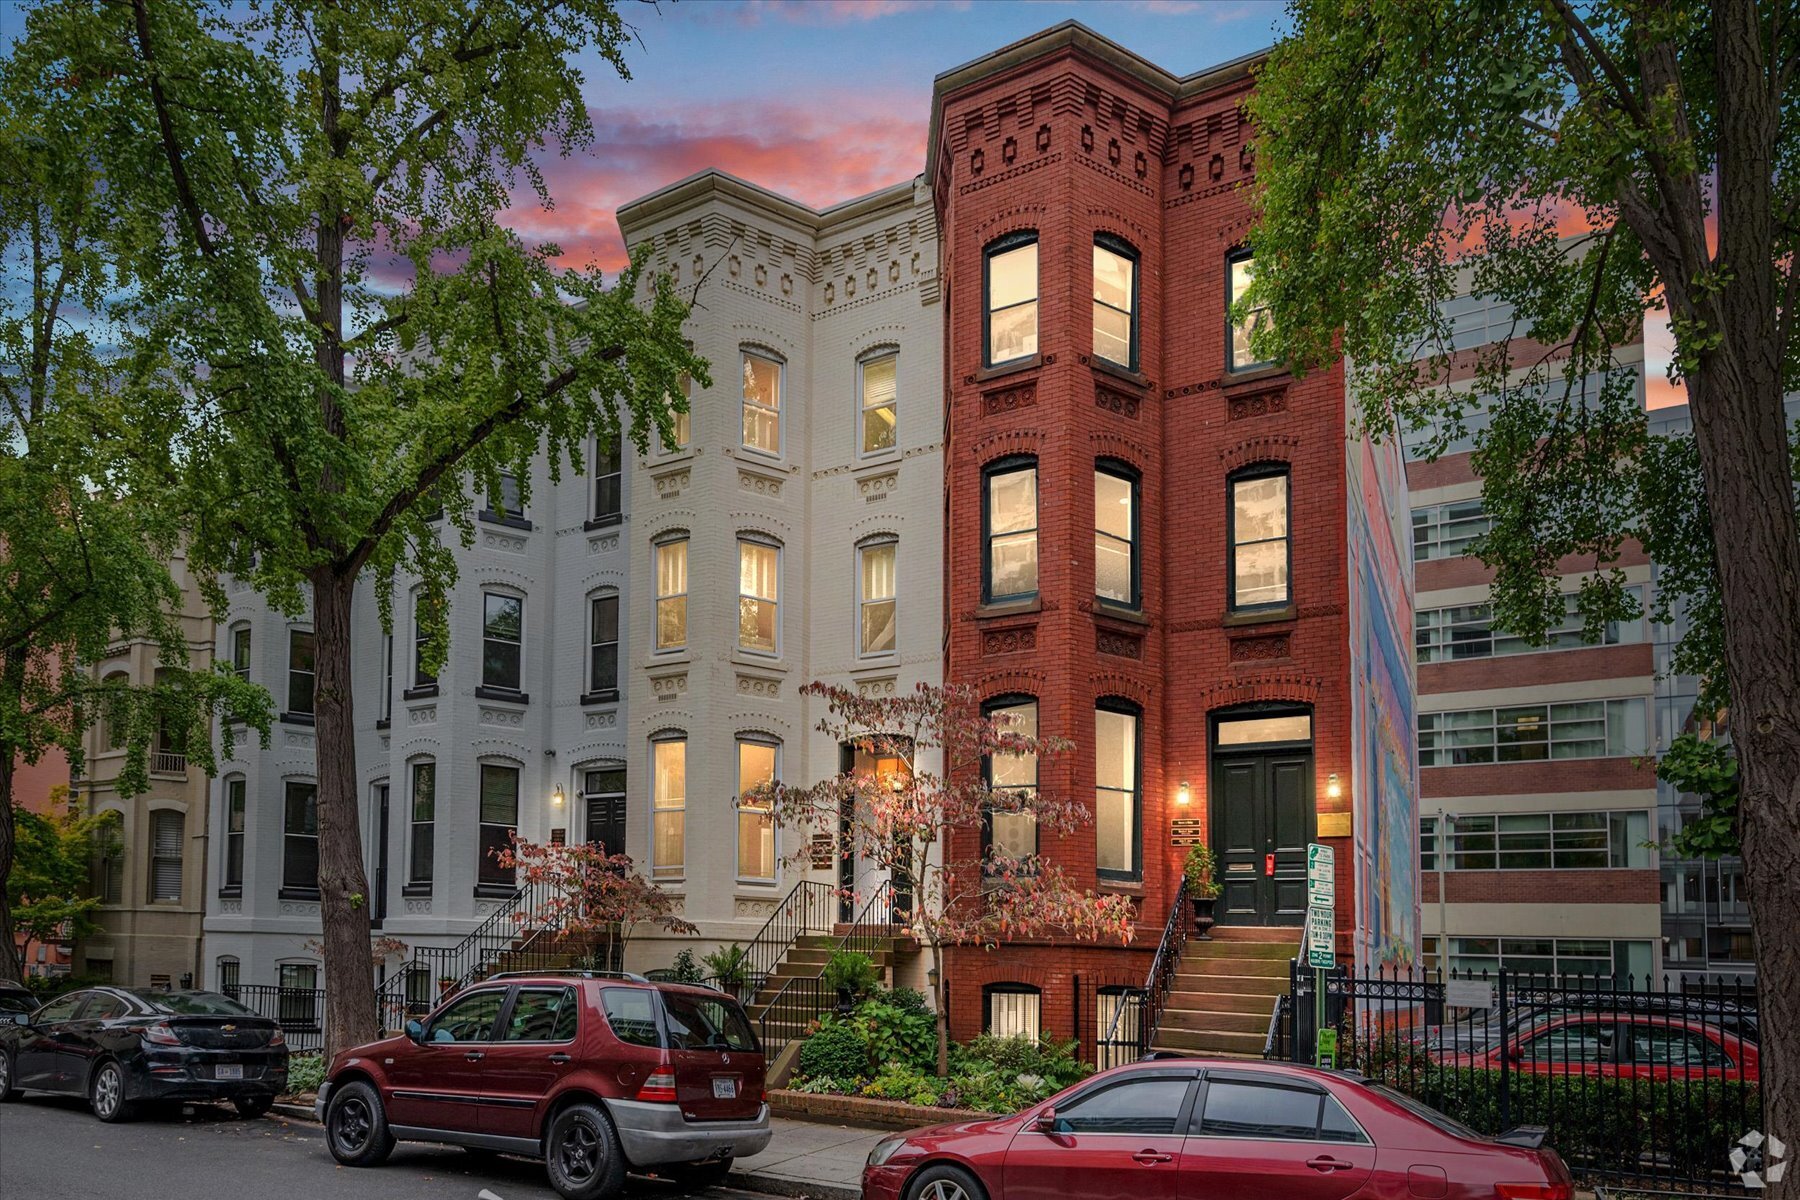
{"x": 1538, "y": 887}
{"x": 1553, "y": 778}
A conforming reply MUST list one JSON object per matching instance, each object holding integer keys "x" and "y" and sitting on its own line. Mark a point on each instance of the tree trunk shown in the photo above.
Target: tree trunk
{"x": 343, "y": 884}
{"x": 10, "y": 966}
{"x": 940, "y": 993}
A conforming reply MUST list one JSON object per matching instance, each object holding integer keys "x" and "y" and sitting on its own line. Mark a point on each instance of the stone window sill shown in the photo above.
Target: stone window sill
{"x": 1105, "y": 366}
{"x": 425, "y": 691}
{"x": 1009, "y": 368}
{"x": 1236, "y": 620}
{"x": 1009, "y": 608}
{"x": 288, "y": 718}
{"x": 509, "y": 695}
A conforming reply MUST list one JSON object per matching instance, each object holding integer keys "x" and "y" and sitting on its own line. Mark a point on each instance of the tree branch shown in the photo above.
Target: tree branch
{"x": 184, "y": 188}
{"x": 1626, "y": 100}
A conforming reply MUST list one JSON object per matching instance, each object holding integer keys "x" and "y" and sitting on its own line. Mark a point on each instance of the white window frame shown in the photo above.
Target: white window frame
{"x": 864, "y": 408}
{"x": 668, "y": 871}
{"x": 241, "y": 631}
{"x": 657, "y": 549}
{"x": 745, "y": 354}
{"x": 863, "y": 601}
{"x": 773, "y": 602}
{"x": 739, "y": 809}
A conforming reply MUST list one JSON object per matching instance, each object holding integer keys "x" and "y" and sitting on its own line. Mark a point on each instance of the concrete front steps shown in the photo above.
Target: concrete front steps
{"x": 794, "y": 1011}
{"x": 1224, "y": 990}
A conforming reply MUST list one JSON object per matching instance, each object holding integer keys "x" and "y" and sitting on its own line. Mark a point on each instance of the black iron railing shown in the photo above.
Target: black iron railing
{"x": 299, "y": 1011}
{"x": 1645, "y": 1083}
{"x": 803, "y": 999}
{"x": 1132, "y": 1031}
{"x": 809, "y": 907}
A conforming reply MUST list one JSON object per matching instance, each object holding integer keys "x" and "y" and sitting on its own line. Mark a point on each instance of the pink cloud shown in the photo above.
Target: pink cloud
{"x": 816, "y": 156}
{"x": 832, "y": 12}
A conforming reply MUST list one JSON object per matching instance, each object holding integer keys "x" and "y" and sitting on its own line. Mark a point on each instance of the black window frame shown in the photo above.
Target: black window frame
{"x": 237, "y": 804}
{"x": 1009, "y": 465}
{"x": 1189, "y": 1077}
{"x": 489, "y": 875}
{"x": 290, "y": 888}
{"x": 424, "y": 683}
{"x": 505, "y": 514}
{"x": 1124, "y": 707}
{"x": 1122, "y": 470}
{"x": 420, "y": 882}
{"x": 600, "y": 690}
{"x": 1112, "y": 243}
{"x": 1250, "y": 474}
{"x": 1008, "y": 988}
{"x": 1235, "y": 255}
{"x": 1001, "y": 245}
{"x": 293, "y": 712}
{"x": 610, "y": 468}
{"x": 989, "y": 707}
{"x": 505, "y": 691}
{"x": 1197, "y": 1113}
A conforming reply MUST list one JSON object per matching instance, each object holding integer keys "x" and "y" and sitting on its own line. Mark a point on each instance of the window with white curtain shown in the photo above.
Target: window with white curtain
{"x": 166, "y": 828}
{"x": 759, "y": 564}
{"x": 1012, "y": 832}
{"x": 759, "y": 763}
{"x": 1116, "y": 772}
{"x": 879, "y": 412}
{"x": 762, "y": 404}
{"x": 671, "y": 594}
{"x": 668, "y": 792}
{"x": 875, "y": 599}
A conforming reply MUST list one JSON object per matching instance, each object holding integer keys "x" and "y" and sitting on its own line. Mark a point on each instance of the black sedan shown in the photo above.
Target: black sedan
{"x": 119, "y": 1046}
{"x": 15, "y": 998}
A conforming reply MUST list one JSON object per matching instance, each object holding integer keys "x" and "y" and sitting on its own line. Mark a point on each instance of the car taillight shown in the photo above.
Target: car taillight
{"x": 278, "y": 1038}
{"x": 659, "y": 1088}
{"x": 160, "y": 1034}
{"x": 1534, "y": 1191}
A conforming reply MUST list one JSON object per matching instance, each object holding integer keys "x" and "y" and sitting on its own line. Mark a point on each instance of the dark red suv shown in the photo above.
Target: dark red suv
{"x": 596, "y": 1074}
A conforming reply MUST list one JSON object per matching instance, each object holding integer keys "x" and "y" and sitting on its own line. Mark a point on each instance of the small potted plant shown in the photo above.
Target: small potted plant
{"x": 852, "y": 975}
{"x": 1202, "y": 888}
{"x": 729, "y": 967}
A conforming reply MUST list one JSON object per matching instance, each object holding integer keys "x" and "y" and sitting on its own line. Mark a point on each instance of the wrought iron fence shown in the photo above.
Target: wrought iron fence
{"x": 299, "y": 1011}
{"x": 1641, "y": 1082}
{"x": 802, "y": 999}
{"x": 1136, "y": 1012}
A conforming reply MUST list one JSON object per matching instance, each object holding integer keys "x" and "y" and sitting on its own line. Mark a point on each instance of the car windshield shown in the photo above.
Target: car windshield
{"x": 1429, "y": 1115}
{"x": 705, "y": 1023}
{"x": 192, "y": 1004}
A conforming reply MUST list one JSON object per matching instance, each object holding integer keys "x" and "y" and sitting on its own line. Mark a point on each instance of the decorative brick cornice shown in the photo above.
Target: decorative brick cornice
{"x": 1269, "y": 448}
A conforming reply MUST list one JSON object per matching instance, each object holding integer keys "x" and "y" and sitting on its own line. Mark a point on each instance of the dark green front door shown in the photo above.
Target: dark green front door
{"x": 1262, "y": 819}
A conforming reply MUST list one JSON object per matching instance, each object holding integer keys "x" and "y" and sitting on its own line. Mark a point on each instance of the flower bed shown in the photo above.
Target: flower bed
{"x": 862, "y": 1110}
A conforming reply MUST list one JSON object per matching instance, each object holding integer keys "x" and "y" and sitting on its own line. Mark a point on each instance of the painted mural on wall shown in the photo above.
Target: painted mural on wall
{"x": 1384, "y": 768}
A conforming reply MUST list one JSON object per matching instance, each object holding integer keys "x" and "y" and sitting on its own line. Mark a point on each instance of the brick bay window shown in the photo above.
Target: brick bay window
{"x": 1115, "y": 301}
{"x": 671, "y": 558}
{"x": 1116, "y": 534}
{"x": 759, "y": 763}
{"x": 759, "y": 569}
{"x": 762, "y": 404}
{"x": 1240, "y": 269}
{"x": 300, "y": 840}
{"x": 1259, "y": 552}
{"x": 1118, "y": 850}
{"x": 499, "y": 817}
{"x": 1010, "y": 286}
{"x": 878, "y": 412}
{"x": 668, "y": 803}
{"x": 1013, "y": 834}
{"x": 1009, "y": 531}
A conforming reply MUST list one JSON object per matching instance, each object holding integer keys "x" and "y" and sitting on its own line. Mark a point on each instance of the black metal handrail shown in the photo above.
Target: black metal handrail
{"x": 1169, "y": 952}
{"x": 807, "y": 908}
{"x": 802, "y": 999}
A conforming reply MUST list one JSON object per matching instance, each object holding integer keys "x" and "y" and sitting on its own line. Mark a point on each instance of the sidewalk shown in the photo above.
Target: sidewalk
{"x": 807, "y": 1158}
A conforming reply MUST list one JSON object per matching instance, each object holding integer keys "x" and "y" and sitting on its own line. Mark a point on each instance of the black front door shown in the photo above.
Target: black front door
{"x": 605, "y": 794}
{"x": 1262, "y": 820}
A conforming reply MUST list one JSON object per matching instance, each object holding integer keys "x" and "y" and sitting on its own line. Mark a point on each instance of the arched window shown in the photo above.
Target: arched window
{"x": 608, "y": 481}
{"x": 671, "y": 571}
{"x": 1009, "y": 530}
{"x": 1115, "y": 301}
{"x": 603, "y": 647}
{"x": 1010, "y": 298}
{"x": 421, "y": 857}
{"x": 876, "y": 596}
{"x": 499, "y": 818}
{"x": 240, "y": 650}
{"x": 1116, "y": 534}
{"x": 877, "y": 414}
{"x": 233, "y": 867}
{"x": 762, "y": 402}
{"x": 759, "y": 763}
{"x": 1240, "y": 269}
{"x": 1011, "y": 1010}
{"x": 1259, "y": 549}
{"x": 1012, "y": 830}
{"x": 668, "y": 804}
{"x": 503, "y": 643}
{"x": 759, "y": 605}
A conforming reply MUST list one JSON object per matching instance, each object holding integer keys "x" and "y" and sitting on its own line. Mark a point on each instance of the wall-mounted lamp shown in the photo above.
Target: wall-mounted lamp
{"x": 1333, "y": 788}
{"x": 556, "y": 794}
{"x": 1183, "y": 796}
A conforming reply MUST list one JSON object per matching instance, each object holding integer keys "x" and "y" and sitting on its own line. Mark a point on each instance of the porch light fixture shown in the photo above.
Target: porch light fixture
{"x": 1333, "y": 789}
{"x": 1183, "y": 796}
{"x": 556, "y": 794}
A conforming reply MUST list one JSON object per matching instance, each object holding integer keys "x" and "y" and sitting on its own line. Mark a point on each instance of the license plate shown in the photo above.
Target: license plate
{"x": 228, "y": 1071}
{"x": 724, "y": 1089}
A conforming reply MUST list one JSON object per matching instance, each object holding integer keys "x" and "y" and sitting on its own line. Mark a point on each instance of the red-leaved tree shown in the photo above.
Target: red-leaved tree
{"x": 900, "y": 819}
{"x": 590, "y": 895}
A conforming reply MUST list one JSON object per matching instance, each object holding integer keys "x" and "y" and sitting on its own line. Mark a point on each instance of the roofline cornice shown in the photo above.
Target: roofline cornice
{"x": 712, "y": 184}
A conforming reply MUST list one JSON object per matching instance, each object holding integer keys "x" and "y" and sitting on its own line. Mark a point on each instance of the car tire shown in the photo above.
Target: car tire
{"x": 711, "y": 1173}
{"x": 106, "y": 1093}
{"x": 252, "y": 1107}
{"x": 356, "y": 1128}
{"x": 7, "y": 1091}
{"x": 941, "y": 1181}
{"x": 582, "y": 1155}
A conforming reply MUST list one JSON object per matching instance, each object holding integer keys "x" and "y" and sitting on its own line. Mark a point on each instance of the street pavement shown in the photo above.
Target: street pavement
{"x": 54, "y": 1149}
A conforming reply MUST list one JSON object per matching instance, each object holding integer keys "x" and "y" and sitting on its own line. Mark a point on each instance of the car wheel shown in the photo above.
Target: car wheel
{"x": 106, "y": 1093}
{"x": 711, "y": 1173}
{"x": 6, "y": 1078}
{"x": 356, "y": 1128}
{"x": 582, "y": 1154}
{"x": 941, "y": 1181}
{"x": 252, "y": 1107}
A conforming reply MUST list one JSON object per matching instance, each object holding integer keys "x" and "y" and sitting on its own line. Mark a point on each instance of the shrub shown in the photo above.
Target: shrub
{"x": 728, "y": 966}
{"x": 305, "y": 1072}
{"x": 899, "y": 1082}
{"x": 852, "y": 971}
{"x": 684, "y": 969}
{"x": 909, "y": 999}
{"x": 897, "y": 1035}
{"x": 1044, "y": 1058}
{"x": 838, "y": 1050}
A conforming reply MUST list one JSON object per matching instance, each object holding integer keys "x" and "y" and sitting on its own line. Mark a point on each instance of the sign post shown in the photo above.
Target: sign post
{"x": 1321, "y": 940}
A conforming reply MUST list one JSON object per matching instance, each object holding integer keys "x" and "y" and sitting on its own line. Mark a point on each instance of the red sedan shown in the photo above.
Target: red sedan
{"x": 1615, "y": 1045}
{"x": 1192, "y": 1129}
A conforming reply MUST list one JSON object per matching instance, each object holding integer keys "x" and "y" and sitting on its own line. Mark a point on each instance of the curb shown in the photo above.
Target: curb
{"x": 800, "y": 1189}
{"x": 294, "y": 1112}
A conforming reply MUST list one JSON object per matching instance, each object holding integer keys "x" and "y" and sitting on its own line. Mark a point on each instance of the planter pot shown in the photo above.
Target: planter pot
{"x": 1203, "y": 916}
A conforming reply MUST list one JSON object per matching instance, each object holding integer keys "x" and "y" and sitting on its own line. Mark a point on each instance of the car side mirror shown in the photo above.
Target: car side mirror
{"x": 21, "y": 1018}
{"x": 1046, "y": 1121}
{"x": 415, "y": 1031}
